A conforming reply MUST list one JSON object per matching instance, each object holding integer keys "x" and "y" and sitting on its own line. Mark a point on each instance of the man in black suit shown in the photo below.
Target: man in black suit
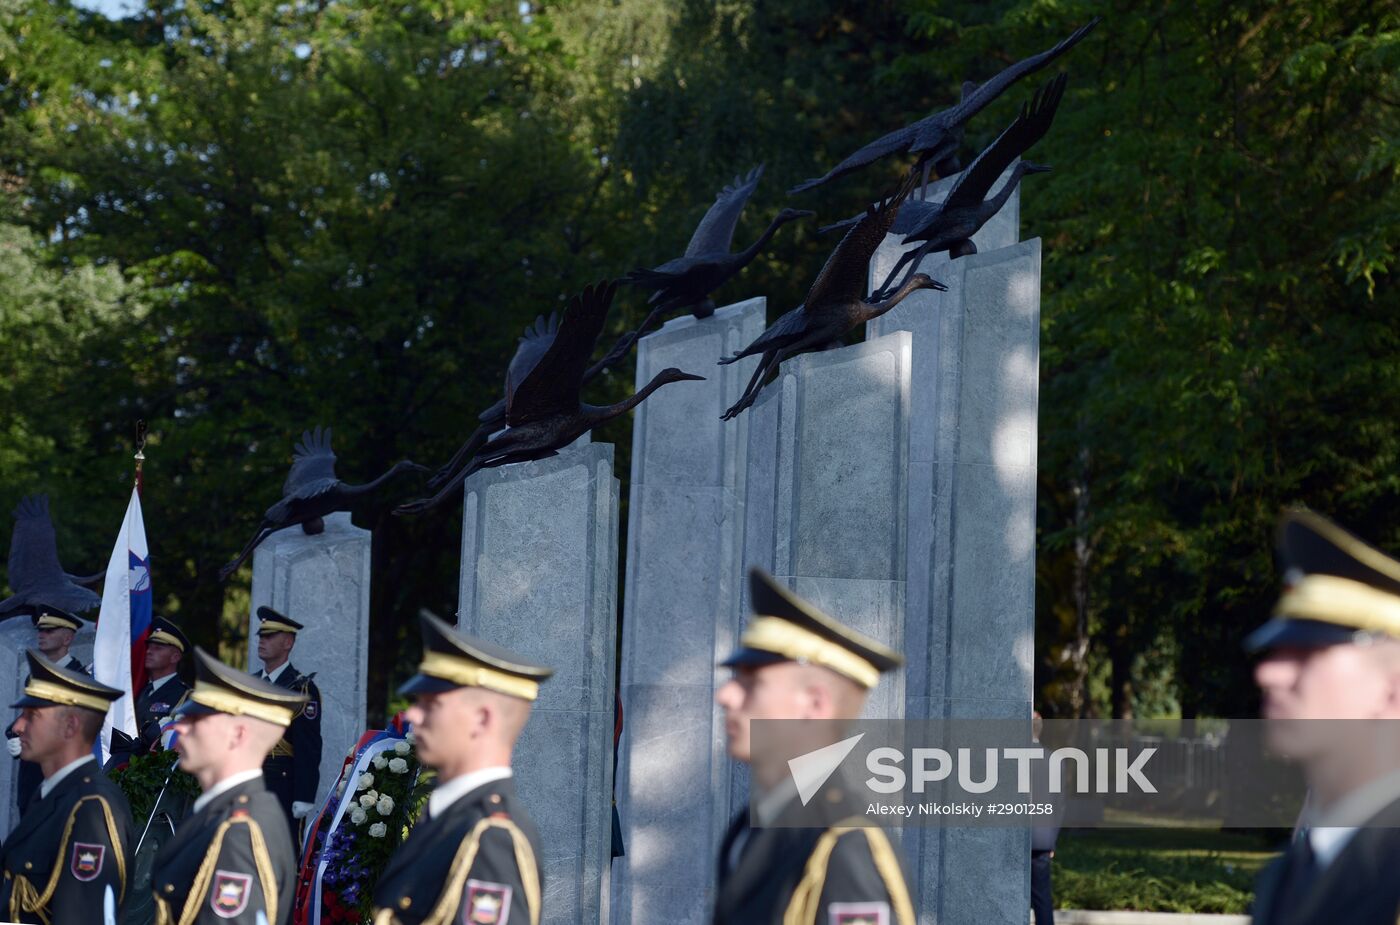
{"x": 163, "y": 691}
{"x": 55, "y": 628}
{"x": 231, "y": 859}
{"x": 474, "y": 856}
{"x": 1329, "y": 672}
{"x": 796, "y": 662}
{"x": 73, "y": 847}
{"x": 293, "y": 769}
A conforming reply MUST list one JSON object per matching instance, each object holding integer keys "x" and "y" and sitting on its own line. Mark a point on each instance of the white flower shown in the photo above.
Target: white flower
{"x": 340, "y": 789}
{"x": 407, "y": 737}
{"x": 385, "y": 805}
{"x": 369, "y": 799}
{"x": 377, "y": 830}
{"x": 379, "y": 762}
{"x": 366, "y": 781}
{"x": 403, "y": 748}
{"x": 358, "y": 816}
{"x": 398, "y": 766}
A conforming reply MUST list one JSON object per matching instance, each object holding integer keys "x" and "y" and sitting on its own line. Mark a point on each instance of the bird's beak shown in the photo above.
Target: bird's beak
{"x": 690, "y": 376}
{"x": 1036, "y": 168}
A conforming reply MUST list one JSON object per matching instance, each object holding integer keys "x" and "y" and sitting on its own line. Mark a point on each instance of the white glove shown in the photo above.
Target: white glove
{"x": 14, "y": 746}
{"x": 302, "y": 810}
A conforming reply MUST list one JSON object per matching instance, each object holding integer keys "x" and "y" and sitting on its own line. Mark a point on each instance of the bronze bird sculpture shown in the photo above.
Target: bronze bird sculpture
{"x": 36, "y": 576}
{"x": 949, "y": 225}
{"x": 835, "y": 303}
{"x": 688, "y": 280}
{"x": 312, "y": 491}
{"x": 544, "y": 407}
{"x": 936, "y": 138}
{"x": 533, "y": 344}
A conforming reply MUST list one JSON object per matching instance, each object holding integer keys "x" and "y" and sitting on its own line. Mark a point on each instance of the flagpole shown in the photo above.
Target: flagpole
{"x": 140, "y": 453}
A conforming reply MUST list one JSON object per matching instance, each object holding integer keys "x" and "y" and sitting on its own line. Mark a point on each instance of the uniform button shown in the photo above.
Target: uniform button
{"x": 243, "y": 799}
{"x": 28, "y": 865}
{"x": 495, "y": 798}
{"x": 8, "y": 875}
{"x": 87, "y": 780}
{"x": 170, "y": 888}
{"x": 405, "y": 902}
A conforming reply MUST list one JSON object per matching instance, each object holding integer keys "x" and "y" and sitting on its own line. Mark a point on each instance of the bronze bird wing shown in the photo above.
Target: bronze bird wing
{"x": 313, "y": 462}
{"x": 715, "y": 233}
{"x": 974, "y": 102}
{"x": 847, "y": 269}
{"x": 1029, "y": 126}
{"x": 895, "y": 141}
{"x": 553, "y": 385}
{"x": 534, "y": 343}
{"x": 33, "y": 546}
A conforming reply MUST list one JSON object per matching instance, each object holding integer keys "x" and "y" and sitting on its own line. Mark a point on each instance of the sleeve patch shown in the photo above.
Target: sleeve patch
{"x": 229, "y": 895}
{"x": 486, "y": 903}
{"x": 313, "y": 709}
{"x": 86, "y": 863}
{"x": 859, "y": 914}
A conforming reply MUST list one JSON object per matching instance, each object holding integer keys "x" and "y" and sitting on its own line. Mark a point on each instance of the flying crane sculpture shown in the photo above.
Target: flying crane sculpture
{"x": 311, "y": 492}
{"x": 36, "y": 575}
{"x": 545, "y": 411}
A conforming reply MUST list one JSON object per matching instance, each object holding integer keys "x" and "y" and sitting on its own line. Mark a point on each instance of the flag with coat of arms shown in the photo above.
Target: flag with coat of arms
{"x": 124, "y": 623}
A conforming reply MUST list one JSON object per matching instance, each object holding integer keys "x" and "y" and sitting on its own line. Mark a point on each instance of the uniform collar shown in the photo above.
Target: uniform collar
{"x": 49, "y": 783}
{"x": 450, "y": 792}
{"x": 158, "y": 684}
{"x": 278, "y": 671}
{"x": 224, "y": 786}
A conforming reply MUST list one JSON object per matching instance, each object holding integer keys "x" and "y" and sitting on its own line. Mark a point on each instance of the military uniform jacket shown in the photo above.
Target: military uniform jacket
{"x": 477, "y": 863}
{"x": 228, "y": 862}
{"x": 1359, "y": 887}
{"x": 293, "y": 768}
{"x": 66, "y": 851}
{"x": 151, "y": 706}
{"x": 842, "y": 874}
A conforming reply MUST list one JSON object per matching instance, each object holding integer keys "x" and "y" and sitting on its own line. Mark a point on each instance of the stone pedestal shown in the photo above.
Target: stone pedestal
{"x": 322, "y": 582}
{"x": 684, "y": 570}
{"x": 16, "y": 635}
{"x": 969, "y": 615}
{"x": 539, "y": 576}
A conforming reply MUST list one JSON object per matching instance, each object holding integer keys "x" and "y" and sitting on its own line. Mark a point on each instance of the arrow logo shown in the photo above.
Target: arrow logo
{"x": 811, "y": 770}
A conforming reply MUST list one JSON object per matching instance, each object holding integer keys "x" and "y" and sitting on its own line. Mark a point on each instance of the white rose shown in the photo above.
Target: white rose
{"x": 379, "y": 762}
{"x": 369, "y": 799}
{"x": 366, "y": 781}
{"x": 407, "y": 737}
{"x": 378, "y": 830}
{"x": 340, "y": 789}
{"x": 358, "y": 816}
{"x": 398, "y": 766}
{"x": 385, "y": 805}
{"x": 402, "y": 748}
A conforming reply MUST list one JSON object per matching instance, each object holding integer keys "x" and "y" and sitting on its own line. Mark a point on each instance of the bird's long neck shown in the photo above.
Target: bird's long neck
{"x": 752, "y": 250}
{"x": 371, "y": 486}
{"x": 1007, "y": 188}
{"x": 608, "y": 412}
{"x": 900, "y": 294}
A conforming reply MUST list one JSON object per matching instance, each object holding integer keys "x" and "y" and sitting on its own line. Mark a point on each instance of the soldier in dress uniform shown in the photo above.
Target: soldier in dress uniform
{"x": 232, "y": 857}
{"x": 164, "y": 690}
{"x": 796, "y": 662}
{"x": 293, "y": 770}
{"x": 56, "y": 629}
{"x": 474, "y": 856}
{"x": 74, "y": 844}
{"x": 1332, "y": 652}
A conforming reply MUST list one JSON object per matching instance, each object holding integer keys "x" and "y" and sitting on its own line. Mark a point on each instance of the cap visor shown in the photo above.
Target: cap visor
{"x": 28, "y": 701}
{"x": 426, "y": 684}
{"x": 190, "y": 708}
{"x": 1302, "y": 634}
{"x": 753, "y": 658}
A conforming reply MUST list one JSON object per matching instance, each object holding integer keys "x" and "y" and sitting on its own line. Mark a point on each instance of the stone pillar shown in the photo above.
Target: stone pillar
{"x": 970, "y": 613}
{"x": 16, "y": 635}
{"x": 322, "y": 582}
{"x": 539, "y": 576}
{"x": 684, "y": 570}
{"x": 827, "y": 492}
